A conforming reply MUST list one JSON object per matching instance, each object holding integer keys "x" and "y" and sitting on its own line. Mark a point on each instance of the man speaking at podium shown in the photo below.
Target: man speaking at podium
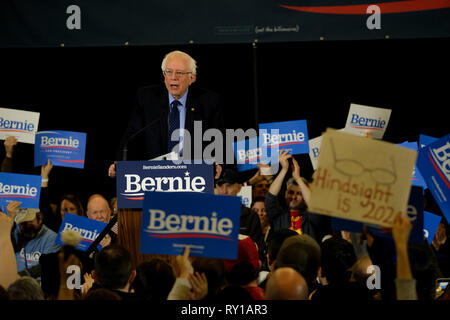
{"x": 161, "y": 110}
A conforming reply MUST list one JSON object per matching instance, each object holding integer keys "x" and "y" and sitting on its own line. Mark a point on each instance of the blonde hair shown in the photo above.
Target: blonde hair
{"x": 191, "y": 62}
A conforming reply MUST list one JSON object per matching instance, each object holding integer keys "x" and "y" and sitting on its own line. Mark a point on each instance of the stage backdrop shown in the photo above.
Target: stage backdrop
{"x": 26, "y": 23}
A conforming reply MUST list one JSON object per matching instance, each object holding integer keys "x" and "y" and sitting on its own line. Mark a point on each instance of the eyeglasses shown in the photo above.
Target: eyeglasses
{"x": 350, "y": 167}
{"x": 178, "y": 74}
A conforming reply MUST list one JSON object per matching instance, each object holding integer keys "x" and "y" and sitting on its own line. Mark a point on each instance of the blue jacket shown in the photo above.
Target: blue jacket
{"x": 43, "y": 243}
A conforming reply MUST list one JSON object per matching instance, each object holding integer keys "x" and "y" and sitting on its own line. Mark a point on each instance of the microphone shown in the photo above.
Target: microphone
{"x": 125, "y": 147}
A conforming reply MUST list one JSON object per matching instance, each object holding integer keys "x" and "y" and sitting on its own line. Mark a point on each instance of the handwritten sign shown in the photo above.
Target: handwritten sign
{"x": 361, "y": 179}
{"x": 21, "y": 124}
{"x": 363, "y": 119}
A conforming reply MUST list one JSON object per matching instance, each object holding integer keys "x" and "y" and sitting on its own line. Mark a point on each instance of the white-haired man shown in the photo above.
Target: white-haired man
{"x": 162, "y": 109}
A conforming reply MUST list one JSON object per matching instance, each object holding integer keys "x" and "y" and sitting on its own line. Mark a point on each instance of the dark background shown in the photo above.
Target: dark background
{"x": 93, "y": 89}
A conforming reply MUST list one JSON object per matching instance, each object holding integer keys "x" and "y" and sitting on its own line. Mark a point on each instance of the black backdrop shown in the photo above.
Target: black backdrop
{"x": 92, "y": 90}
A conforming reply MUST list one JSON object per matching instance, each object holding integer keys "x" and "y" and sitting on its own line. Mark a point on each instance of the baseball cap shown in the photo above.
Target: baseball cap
{"x": 229, "y": 176}
{"x": 25, "y": 215}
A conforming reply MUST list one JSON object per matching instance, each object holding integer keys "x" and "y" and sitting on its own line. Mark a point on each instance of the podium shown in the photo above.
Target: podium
{"x": 129, "y": 232}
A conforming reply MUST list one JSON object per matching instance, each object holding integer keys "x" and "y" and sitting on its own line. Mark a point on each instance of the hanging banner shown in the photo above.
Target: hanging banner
{"x": 54, "y": 23}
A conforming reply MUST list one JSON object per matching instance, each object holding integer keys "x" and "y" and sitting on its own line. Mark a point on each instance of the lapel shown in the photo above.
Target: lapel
{"x": 164, "y": 113}
{"x": 189, "y": 121}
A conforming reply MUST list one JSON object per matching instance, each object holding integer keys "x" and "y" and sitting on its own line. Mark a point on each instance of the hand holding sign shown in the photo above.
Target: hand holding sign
{"x": 10, "y": 142}
{"x": 401, "y": 230}
{"x": 183, "y": 267}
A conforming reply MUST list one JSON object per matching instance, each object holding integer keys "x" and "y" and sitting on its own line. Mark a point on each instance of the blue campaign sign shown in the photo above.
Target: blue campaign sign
{"x": 135, "y": 178}
{"x": 425, "y": 140}
{"x": 433, "y": 162}
{"x": 291, "y": 135}
{"x": 208, "y": 224}
{"x": 249, "y": 153}
{"x": 88, "y": 228}
{"x": 430, "y": 225}
{"x": 417, "y": 177}
{"x": 414, "y": 212}
{"x": 63, "y": 148}
{"x": 20, "y": 187}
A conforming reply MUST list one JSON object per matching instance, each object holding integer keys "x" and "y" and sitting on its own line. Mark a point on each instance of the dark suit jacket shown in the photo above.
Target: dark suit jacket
{"x": 152, "y": 108}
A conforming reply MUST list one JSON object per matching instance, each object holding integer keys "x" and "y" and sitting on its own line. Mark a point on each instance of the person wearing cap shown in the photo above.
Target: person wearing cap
{"x": 294, "y": 215}
{"x": 31, "y": 238}
{"x": 230, "y": 184}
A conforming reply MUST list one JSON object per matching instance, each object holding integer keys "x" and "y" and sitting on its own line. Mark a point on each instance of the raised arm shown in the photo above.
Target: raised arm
{"x": 8, "y": 265}
{"x": 306, "y": 192}
{"x": 276, "y": 185}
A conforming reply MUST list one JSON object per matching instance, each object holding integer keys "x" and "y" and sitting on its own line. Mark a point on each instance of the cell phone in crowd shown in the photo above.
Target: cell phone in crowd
{"x": 441, "y": 286}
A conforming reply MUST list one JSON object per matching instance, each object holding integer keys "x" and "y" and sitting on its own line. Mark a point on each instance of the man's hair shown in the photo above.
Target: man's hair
{"x": 291, "y": 181}
{"x": 191, "y": 62}
{"x": 276, "y": 240}
{"x": 154, "y": 280}
{"x": 338, "y": 257}
{"x": 214, "y": 270}
{"x": 25, "y": 288}
{"x": 113, "y": 267}
{"x": 425, "y": 269}
{"x": 302, "y": 253}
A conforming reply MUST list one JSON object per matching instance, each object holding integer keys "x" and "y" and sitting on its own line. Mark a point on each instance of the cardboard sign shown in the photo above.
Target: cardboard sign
{"x": 414, "y": 212}
{"x": 135, "y": 178}
{"x": 291, "y": 135}
{"x": 20, "y": 187}
{"x": 314, "y": 149}
{"x": 63, "y": 148}
{"x": 21, "y": 124}
{"x": 363, "y": 119}
{"x": 434, "y": 165}
{"x": 208, "y": 224}
{"x": 89, "y": 230}
{"x": 361, "y": 179}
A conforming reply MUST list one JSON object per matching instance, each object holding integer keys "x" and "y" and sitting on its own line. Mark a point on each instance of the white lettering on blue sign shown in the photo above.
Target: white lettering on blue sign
{"x": 441, "y": 156}
{"x": 367, "y": 122}
{"x": 173, "y": 184}
{"x": 277, "y": 139}
{"x": 85, "y": 234}
{"x": 173, "y": 223}
{"x": 249, "y": 156}
{"x": 59, "y": 142}
{"x": 16, "y": 125}
{"x": 18, "y": 190}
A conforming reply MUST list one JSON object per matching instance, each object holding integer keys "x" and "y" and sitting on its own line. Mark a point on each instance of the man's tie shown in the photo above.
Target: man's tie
{"x": 174, "y": 123}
